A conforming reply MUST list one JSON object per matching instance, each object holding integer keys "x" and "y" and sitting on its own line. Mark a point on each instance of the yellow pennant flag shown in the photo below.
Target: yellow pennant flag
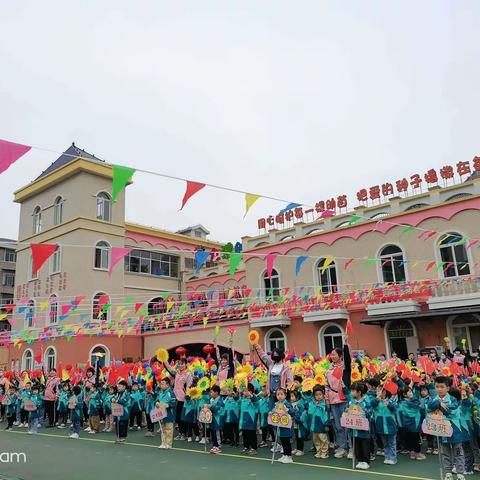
{"x": 328, "y": 261}
{"x": 205, "y": 321}
{"x": 169, "y": 306}
{"x": 43, "y": 306}
{"x": 3, "y": 316}
{"x": 250, "y": 199}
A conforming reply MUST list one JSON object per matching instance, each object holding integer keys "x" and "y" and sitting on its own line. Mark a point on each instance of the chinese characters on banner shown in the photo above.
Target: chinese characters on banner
{"x": 383, "y": 192}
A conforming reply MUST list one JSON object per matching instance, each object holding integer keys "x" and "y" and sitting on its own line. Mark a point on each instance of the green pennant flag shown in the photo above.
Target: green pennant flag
{"x": 165, "y": 295}
{"x": 128, "y": 300}
{"x": 121, "y": 176}
{"x": 369, "y": 261}
{"x": 235, "y": 259}
{"x": 354, "y": 219}
{"x": 406, "y": 230}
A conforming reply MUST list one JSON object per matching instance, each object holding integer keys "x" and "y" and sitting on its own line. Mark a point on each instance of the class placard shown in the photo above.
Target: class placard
{"x": 437, "y": 424}
{"x": 354, "y": 418}
{"x": 117, "y": 410}
{"x": 280, "y": 417}
{"x": 29, "y": 406}
{"x": 157, "y": 414}
{"x": 205, "y": 416}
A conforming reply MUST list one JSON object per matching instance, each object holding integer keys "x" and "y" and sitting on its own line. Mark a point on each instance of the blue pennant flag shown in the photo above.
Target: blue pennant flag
{"x": 299, "y": 264}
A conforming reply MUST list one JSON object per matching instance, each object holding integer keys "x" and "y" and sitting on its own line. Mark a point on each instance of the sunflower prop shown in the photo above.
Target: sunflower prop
{"x": 203, "y": 384}
{"x": 308, "y": 384}
{"x": 162, "y": 355}
{"x": 253, "y": 337}
{"x": 194, "y": 393}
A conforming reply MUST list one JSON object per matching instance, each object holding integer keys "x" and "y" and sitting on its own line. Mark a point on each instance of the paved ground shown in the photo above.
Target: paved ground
{"x": 52, "y": 456}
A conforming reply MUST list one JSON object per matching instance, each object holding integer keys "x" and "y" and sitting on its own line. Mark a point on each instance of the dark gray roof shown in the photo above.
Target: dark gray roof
{"x": 68, "y": 155}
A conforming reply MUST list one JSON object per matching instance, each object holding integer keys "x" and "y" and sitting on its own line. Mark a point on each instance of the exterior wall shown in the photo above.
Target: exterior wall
{"x": 77, "y": 351}
{"x": 152, "y": 342}
{"x": 5, "y": 290}
{"x": 366, "y": 243}
{"x": 79, "y": 192}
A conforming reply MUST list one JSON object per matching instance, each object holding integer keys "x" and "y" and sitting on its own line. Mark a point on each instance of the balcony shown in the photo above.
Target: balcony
{"x": 394, "y": 307}
{"x": 456, "y": 293}
{"x": 270, "y": 321}
{"x": 326, "y": 315}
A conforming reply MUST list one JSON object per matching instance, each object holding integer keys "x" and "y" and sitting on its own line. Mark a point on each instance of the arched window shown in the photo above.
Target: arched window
{"x": 275, "y": 338}
{"x": 100, "y": 306}
{"x": 101, "y": 354}
{"x": 102, "y": 255}
{"x": 392, "y": 264}
{"x": 30, "y": 314}
{"x": 157, "y": 306}
{"x": 52, "y": 315}
{"x": 50, "y": 358}
{"x": 327, "y": 276}
{"x": 37, "y": 220}
{"x": 27, "y": 360}
{"x": 58, "y": 211}
{"x": 454, "y": 255}
{"x": 56, "y": 261}
{"x": 271, "y": 284}
{"x": 331, "y": 336}
{"x": 104, "y": 207}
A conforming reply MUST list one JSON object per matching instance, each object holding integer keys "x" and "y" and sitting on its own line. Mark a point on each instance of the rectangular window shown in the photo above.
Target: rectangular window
{"x": 10, "y": 255}
{"x": 189, "y": 263}
{"x": 30, "y": 274}
{"x": 152, "y": 263}
{"x": 8, "y": 278}
{"x": 55, "y": 262}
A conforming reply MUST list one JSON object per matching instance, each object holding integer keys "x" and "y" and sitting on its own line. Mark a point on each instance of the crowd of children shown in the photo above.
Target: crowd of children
{"x": 393, "y": 403}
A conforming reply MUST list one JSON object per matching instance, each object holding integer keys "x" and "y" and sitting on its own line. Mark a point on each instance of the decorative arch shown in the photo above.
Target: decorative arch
{"x": 411, "y": 345}
{"x": 464, "y": 326}
{"x": 50, "y": 358}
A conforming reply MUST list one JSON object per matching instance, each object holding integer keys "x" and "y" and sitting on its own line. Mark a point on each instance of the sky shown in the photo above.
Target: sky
{"x": 295, "y": 100}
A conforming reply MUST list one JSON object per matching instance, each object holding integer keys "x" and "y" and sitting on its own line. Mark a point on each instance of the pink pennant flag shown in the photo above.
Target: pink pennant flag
{"x": 270, "y": 261}
{"x": 327, "y": 213}
{"x": 117, "y": 254}
{"x": 10, "y": 152}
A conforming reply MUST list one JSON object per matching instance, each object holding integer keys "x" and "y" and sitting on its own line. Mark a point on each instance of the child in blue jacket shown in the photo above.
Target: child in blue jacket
{"x": 285, "y": 434}
{"x": 248, "y": 420}
{"x": 216, "y": 407}
{"x": 37, "y": 399}
{"x": 410, "y": 415}
{"x": 264, "y": 406}
{"x": 299, "y": 422}
{"x": 137, "y": 398}
{"x": 166, "y": 400}
{"x": 62, "y": 405}
{"x": 318, "y": 419}
{"x": 231, "y": 417}
{"x": 94, "y": 404}
{"x": 384, "y": 410}
{"x": 75, "y": 405}
{"x": 10, "y": 401}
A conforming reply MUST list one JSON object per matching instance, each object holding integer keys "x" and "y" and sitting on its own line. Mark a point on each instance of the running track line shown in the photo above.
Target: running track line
{"x": 232, "y": 455}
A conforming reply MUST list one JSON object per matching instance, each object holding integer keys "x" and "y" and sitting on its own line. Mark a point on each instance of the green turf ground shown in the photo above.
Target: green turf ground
{"x": 52, "y": 456}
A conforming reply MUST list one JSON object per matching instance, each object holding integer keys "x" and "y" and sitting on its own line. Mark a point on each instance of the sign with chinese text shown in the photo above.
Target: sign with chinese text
{"x": 437, "y": 424}
{"x": 157, "y": 414}
{"x": 377, "y": 193}
{"x": 355, "y": 419}
{"x": 205, "y": 416}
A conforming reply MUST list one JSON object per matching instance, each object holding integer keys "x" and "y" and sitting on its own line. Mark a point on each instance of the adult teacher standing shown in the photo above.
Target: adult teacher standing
{"x": 339, "y": 375}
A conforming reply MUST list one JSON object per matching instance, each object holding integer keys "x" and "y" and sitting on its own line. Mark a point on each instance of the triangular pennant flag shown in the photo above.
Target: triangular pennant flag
{"x": 235, "y": 259}
{"x": 121, "y": 176}
{"x": 354, "y": 219}
{"x": 289, "y": 207}
{"x": 192, "y": 189}
{"x": 10, "y": 152}
{"x": 327, "y": 213}
{"x": 201, "y": 256}
{"x": 326, "y": 263}
{"x": 270, "y": 261}
{"x": 40, "y": 254}
{"x": 299, "y": 263}
{"x": 406, "y": 230}
{"x": 430, "y": 266}
{"x": 348, "y": 263}
{"x": 250, "y": 199}
{"x": 116, "y": 254}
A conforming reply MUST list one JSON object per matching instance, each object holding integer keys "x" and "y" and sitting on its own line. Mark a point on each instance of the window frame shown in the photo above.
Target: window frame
{"x": 390, "y": 256}
{"x": 47, "y": 357}
{"x": 103, "y": 198}
{"x": 145, "y": 259}
{"x": 451, "y": 248}
{"x": 58, "y": 210}
{"x": 7, "y": 252}
{"x": 49, "y": 309}
{"x": 37, "y": 220}
{"x": 268, "y": 339}
{"x": 326, "y": 288}
{"x": 31, "y": 359}
{"x": 274, "y": 277}
{"x": 105, "y": 249}
{"x": 56, "y": 258}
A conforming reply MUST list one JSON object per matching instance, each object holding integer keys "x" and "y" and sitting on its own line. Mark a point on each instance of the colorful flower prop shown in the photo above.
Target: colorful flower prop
{"x": 253, "y": 337}
{"x": 203, "y": 384}
{"x": 194, "y": 393}
{"x": 308, "y": 384}
{"x": 162, "y": 355}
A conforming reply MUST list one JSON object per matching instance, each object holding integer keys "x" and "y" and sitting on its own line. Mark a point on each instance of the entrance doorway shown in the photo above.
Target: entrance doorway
{"x": 402, "y": 338}
{"x": 464, "y": 327}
